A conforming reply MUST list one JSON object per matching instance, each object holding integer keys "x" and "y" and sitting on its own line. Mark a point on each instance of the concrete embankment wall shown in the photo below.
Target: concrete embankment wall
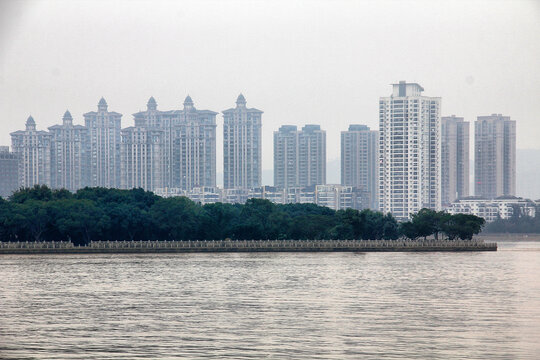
{"x": 103, "y": 247}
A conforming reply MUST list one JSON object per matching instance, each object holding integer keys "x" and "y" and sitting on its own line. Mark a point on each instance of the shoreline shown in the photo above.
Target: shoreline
{"x": 238, "y": 246}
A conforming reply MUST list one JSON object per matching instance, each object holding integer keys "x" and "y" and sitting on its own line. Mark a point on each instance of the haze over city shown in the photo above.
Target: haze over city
{"x": 312, "y": 62}
{"x": 225, "y": 179}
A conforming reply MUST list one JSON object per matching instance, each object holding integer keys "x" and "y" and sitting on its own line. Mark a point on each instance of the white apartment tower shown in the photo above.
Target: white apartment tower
{"x": 409, "y": 151}
{"x": 194, "y": 147}
{"x": 242, "y": 146}
{"x": 104, "y": 131}
{"x": 188, "y": 144}
{"x": 34, "y": 151}
{"x": 454, "y": 159}
{"x": 70, "y": 155}
{"x": 311, "y": 156}
{"x": 494, "y": 156}
{"x": 286, "y": 157}
{"x": 9, "y": 172}
{"x": 360, "y": 160}
{"x": 141, "y": 156}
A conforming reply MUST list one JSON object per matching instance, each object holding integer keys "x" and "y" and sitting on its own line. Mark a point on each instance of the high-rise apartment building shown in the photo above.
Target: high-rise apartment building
{"x": 242, "y": 146}
{"x": 494, "y": 156}
{"x": 188, "y": 144}
{"x": 34, "y": 150}
{"x": 299, "y": 156}
{"x": 360, "y": 160}
{"x": 9, "y": 172}
{"x": 409, "y": 151}
{"x": 141, "y": 156}
{"x": 286, "y": 157}
{"x": 454, "y": 159}
{"x": 70, "y": 155}
{"x": 194, "y": 147}
{"x": 104, "y": 131}
{"x": 311, "y": 156}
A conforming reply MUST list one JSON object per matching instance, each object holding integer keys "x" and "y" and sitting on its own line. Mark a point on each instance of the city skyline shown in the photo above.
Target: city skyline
{"x": 288, "y": 76}
{"x": 143, "y": 148}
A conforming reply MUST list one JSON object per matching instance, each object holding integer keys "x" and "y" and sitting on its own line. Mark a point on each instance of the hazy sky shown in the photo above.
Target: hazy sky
{"x": 321, "y": 62}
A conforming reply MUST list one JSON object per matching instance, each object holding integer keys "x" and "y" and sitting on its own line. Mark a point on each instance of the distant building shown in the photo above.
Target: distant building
{"x": 34, "y": 151}
{"x": 409, "y": 151}
{"x": 360, "y": 160}
{"x": 299, "y": 156}
{"x": 194, "y": 147}
{"x": 242, "y": 146}
{"x": 494, "y": 156}
{"x": 141, "y": 157}
{"x": 188, "y": 144}
{"x": 454, "y": 159}
{"x": 311, "y": 156}
{"x": 286, "y": 157}
{"x": 104, "y": 130}
{"x": 204, "y": 195}
{"x": 70, "y": 155}
{"x": 492, "y": 209}
{"x": 9, "y": 172}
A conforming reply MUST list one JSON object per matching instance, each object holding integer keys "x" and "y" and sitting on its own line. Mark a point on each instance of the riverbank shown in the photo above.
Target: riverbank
{"x": 120, "y": 247}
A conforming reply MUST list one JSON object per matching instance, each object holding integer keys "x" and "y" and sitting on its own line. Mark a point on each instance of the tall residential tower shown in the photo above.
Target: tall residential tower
{"x": 9, "y": 172}
{"x": 454, "y": 159}
{"x": 34, "y": 150}
{"x": 409, "y": 151}
{"x": 311, "y": 156}
{"x": 494, "y": 156}
{"x": 299, "y": 156}
{"x": 286, "y": 157}
{"x": 360, "y": 159}
{"x": 70, "y": 155}
{"x": 104, "y": 132}
{"x": 242, "y": 146}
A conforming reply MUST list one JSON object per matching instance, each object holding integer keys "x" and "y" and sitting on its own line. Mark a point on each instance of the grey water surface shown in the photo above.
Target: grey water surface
{"x": 471, "y": 305}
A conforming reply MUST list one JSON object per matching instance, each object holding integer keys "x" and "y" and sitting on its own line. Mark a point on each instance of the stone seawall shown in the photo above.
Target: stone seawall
{"x": 192, "y": 246}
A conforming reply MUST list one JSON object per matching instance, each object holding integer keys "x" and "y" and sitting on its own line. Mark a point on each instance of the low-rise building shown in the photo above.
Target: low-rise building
{"x": 502, "y": 207}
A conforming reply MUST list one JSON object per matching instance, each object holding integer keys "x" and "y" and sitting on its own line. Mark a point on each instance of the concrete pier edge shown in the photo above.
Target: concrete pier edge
{"x": 237, "y": 246}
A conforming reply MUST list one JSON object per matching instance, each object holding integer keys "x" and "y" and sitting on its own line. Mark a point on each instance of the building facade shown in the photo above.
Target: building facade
{"x": 188, "y": 144}
{"x": 454, "y": 159}
{"x": 194, "y": 147}
{"x": 70, "y": 155}
{"x": 360, "y": 160}
{"x": 286, "y": 157}
{"x": 33, "y": 148}
{"x": 104, "y": 136}
{"x": 9, "y": 172}
{"x": 494, "y": 156}
{"x": 503, "y": 207}
{"x": 409, "y": 151}
{"x": 141, "y": 156}
{"x": 311, "y": 156}
{"x": 242, "y": 146}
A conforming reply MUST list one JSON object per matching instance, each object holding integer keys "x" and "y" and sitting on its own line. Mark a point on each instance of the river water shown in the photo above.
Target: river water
{"x": 483, "y": 305}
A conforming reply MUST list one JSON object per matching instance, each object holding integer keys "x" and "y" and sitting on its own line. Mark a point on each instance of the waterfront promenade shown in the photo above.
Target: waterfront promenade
{"x": 194, "y": 246}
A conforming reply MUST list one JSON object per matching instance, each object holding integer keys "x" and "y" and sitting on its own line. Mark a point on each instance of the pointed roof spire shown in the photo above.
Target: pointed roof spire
{"x": 102, "y": 104}
{"x": 67, "y": 118}
{"x": 152, "y": 104}
{"x": 30, "y": 123}
{"x": 241, "y": 100}
{"x": 188, "y": 101}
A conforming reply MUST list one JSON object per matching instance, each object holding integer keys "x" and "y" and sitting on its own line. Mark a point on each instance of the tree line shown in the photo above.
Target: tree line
{"x": 42, "y": 214}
